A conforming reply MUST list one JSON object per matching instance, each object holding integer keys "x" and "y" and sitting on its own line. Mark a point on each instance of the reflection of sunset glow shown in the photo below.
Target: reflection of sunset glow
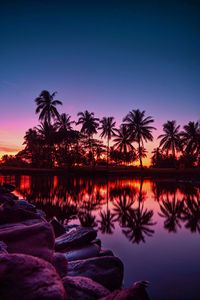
{"x": 80, "y": 196}
{"x": 123, "y": 204}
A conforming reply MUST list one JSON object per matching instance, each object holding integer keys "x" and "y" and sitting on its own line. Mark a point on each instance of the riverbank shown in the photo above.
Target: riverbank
{"x": 110, "y": 171}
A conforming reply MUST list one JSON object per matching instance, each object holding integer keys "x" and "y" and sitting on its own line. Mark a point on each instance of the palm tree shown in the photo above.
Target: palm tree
{"x": 191, "y": 137}
{"x": 123, "y": 141}
{"x": 108, "y": 130}
{"x": 141, "y": 152}
{"x": 171, "y": 139}
{"x": 89, "y": 127}
{"x": 64, "y": 123}
{"x": 32, "y": 140}
{"x": 48, "y": 137}
{"x": 89, "y": 123}
{"x": 156, "y": 157}
{"x": 46, "y": 106}
{"x": 139, "y": 128}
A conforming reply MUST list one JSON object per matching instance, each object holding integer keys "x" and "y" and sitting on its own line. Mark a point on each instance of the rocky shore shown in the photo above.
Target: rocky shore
{"x": 46, "y": 260}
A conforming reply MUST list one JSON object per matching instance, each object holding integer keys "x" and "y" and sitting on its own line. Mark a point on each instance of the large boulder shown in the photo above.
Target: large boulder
{"x": 26, "y": 277}
{"x": 90, "y": 250}
{"x": 60, "y": 263}
{"x": 77, "y": 237}
{"x": 135, "y": 292}
{"x": 29, "y": 237}
{"x": 83, "y": 288}
{"x": 106, "y": 270}
{"x": 7, "y": 187}
{"x": 17, "y": 211}
{"x": 106, "y": 252}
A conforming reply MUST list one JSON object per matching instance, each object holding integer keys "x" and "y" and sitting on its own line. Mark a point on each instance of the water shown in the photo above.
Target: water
{"x": 153, "y": 226}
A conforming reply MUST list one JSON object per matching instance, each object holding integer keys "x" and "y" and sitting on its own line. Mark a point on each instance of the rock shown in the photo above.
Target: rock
{"x": 3, "y": 248}
{"x": 26, "y": 205}
{"x": 83, "y": 288}
{"x": 60, "y": 263}
{"x": 106, "y": 252}
{"x": 106, "y": 270}
{"x": 78, "y": 237}
{"x": 32, "y": 237}
{"x": 8, "y": 187}
{"x": 97, "y": 241}
{"x": 135, "y": 292}
{"x": 7, "y": 198}
{"x": 71, "y": 226}
{"x": 17, "y": 211}
{"x": 26, "y": 277}
{"x": 83, "y": 252}
{"x": 57, "y": 227}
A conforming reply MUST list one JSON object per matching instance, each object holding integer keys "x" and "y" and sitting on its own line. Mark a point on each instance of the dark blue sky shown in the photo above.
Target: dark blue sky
{"x": 105, "y": 56}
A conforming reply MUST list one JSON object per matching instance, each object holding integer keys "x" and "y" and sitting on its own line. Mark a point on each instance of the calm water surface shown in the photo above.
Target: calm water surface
{"x": 153, "y": 226}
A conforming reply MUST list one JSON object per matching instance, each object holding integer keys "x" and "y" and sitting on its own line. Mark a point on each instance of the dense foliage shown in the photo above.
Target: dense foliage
{"x": 56, "y": 141}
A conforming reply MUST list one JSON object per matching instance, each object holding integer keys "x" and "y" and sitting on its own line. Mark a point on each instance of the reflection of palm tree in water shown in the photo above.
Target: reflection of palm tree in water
{"x": 107, "y": 218}
{"x": 124, "y": 198}
{"x": 191, "y": 214}
{"x": 138, "y": 224}
{"x": 138, "y": 220}
{"x": 172, "y": 212}
{"x": 87, "y": 219}
{"x": 121, "y": 209}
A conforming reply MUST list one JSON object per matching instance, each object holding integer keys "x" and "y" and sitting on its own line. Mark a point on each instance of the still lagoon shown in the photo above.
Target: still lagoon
{"x": 152, "y": 225}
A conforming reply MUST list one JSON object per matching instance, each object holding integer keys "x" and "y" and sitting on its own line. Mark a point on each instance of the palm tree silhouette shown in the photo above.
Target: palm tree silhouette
{"x": 46, "y": 106}
{"x": 139, "y": 128}
{"x": 191, "y": 137}
{"x": 33, "y": 142}
{"x": 171, "y": 139}
{"x": 64, "y": 123}
{"x": 156, "y": 157}
{"x": 141, "y": 152}
{"x": 89, "y": 123}
{"x": 48, "y": 136}
{"x": 89, "y": 127}
{"x": 108, "y": 130}
{"x": 122, "y": 140}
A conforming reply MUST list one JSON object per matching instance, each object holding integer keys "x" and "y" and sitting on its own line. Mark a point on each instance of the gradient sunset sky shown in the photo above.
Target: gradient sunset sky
{"x": 104, "y": 56}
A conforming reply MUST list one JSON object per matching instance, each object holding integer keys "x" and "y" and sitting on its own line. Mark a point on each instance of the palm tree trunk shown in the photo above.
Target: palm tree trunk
{"x": 140, "y": 155}
{"x": 173, "y": 152}
{"x": 107, "y": 151}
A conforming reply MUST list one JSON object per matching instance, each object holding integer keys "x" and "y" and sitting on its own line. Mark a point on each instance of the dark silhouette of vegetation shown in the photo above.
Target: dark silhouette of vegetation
{"x": 56, "y": 142}
{"x": 108, "y": 131}
{"x": 171, "y": 139}
{"x": 89, "y": 200}
{"x": 172, "y": 212}
{"x": 139, "y": 128}
{"x": 46, "y": 106}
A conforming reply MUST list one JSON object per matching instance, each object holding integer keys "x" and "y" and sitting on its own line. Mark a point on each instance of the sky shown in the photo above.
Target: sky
{"x": 108, "y": 57}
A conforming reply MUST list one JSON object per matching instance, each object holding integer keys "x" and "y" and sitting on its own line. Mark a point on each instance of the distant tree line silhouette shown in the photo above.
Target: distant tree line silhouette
{"x": 56, "y": 142}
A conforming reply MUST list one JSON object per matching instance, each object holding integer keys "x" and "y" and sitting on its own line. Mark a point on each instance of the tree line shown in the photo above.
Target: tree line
{"x": 56, "y": 141}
